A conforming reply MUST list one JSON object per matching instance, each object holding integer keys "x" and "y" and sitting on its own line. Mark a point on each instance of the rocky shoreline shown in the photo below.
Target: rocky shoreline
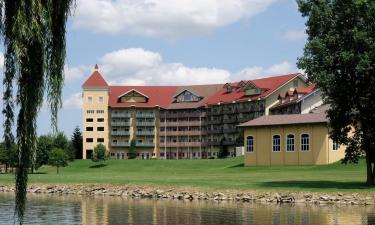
{"x": 138, "y": 192}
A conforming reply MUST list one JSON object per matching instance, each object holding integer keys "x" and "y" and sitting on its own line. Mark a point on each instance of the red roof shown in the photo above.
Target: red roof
{"x": 95, "y": 79}
{"x": 157, "y": 95}
{"x": 270, "y": 84}
{"x": 301, "y": 90}
{"x": 306, "y": 90}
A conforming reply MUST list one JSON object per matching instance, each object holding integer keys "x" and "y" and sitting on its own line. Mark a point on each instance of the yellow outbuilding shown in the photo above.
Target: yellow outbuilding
{"x": 295, "y": 139}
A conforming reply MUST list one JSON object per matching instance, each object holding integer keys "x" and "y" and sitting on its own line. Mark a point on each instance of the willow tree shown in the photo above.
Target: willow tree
{"x": 340, "y": 56}
{"x": 34, "y": 38}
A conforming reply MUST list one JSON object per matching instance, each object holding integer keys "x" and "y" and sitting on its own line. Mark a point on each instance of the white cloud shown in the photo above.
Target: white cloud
{"x": 141, "y": 67}
{"x": 295, "y": 35}
{"x": 163, "y": 18}
{"x": 74, "y": 101}
{"x": 75, "y": 73}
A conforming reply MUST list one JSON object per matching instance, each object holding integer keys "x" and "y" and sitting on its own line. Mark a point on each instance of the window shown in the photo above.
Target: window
{"x": 89, "y": 99}
{"x": 100, "y": 119}
{"x": 89, "y": 140}
{"x": 305, "y": 142}
{"x": 276, "y": 143}
{"x": 89, "y": 120}
{"x": 89, "y": 128}
{"x": 295, "y": 83}
{"x": 100, "y": 129}
{"x": 90, "y": 111}
{"x": 100, "y": 99}
{"x": 249, "y": 144}
{"x": 100, "y": 140}
{"x": 336, "y": 146}
{"x": 100, "y": 111}
{"x": 290, "y": 143}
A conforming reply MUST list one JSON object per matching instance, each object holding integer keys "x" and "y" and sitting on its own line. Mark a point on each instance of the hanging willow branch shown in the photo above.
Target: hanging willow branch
{"x": 34, "y": 39}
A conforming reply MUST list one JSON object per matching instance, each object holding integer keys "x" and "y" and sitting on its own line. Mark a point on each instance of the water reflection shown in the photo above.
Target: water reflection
{"x": 45, "y": 209}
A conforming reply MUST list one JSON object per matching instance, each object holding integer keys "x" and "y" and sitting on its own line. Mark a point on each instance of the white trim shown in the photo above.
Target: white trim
{"x": 272, "y": 143}
{"x": 182, "y": 91}
{"x": 253, "y": 144}
{"x": 294, "y": 143}
{"x": 300, "y": 141}
{"x": 313, "y": 93}
{"x": 131, "y": 91}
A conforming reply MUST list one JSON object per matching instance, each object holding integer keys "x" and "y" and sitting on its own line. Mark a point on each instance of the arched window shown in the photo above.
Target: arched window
{"x": 290, "y": 143}
{"x": 249, "y": 144}
{"x": 335, "y": 146}
{"x": 305, "y": 142}
{"x": 276, "y": 143}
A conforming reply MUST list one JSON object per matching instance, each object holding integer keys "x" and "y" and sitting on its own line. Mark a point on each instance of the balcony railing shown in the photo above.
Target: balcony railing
{"x": 229, "y": 142}
{"x": 145, "y": 144}
{"x": 120, "y": 133}
{"x": 145, "y": 115}
{"x": 214, "y": 143}
{"x": 230, "y": 120}
{"x": 183, "y": 144}
{"x": 120, "y": 124}
{"x": 145, "y": 124}
{"x": 120, "y": 144}
{"x": 182, "y": 133}
{"x": 183, "y": 115}
{"x": 120, "y": 115}
{"x": 218, "y": 131}
{"x": 230, "y": 130}
{"x": 145, "y": 132}
{"x": 214, "y": 113}
{"x": 215, "y": 121}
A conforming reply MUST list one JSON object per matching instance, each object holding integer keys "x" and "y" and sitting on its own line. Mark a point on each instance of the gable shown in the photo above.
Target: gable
{"x": 187, "y": 96}
{"x": 133, "y": 96}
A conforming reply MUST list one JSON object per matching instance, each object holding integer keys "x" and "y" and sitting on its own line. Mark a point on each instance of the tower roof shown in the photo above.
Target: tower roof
{"x": 95, "y": 79}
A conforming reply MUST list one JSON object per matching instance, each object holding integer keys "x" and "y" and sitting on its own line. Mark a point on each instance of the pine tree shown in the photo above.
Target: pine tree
{"x": 77, "y": 141}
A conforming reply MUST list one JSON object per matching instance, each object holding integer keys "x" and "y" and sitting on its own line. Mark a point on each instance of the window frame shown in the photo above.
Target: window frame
{"x": 287, "y": 144}
{"x": 248, "y": 149}
{"x": 304, "y": 144}
{"x": 89, "y": 99}
{"x": 273, "y": 144}
{"x": 100, "y": 99}
{"x": 335, "y": 146}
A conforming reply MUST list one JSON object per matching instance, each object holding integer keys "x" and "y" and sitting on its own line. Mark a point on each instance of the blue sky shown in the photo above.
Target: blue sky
{"x": 169, "y": 42}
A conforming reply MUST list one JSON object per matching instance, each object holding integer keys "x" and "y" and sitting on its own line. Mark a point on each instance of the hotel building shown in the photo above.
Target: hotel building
{"x": 176, "y": 122}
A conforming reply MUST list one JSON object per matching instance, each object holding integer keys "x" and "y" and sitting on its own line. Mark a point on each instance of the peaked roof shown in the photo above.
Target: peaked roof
{"x": 131, "y": 90}
{"x": 306, "y": 91}
{"x": 286, "y": 119}
{"x": 95, "y": 79}
{"x": 270, "y": 84}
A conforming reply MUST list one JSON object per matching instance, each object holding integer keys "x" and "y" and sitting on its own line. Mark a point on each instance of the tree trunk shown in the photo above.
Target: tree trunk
{"x": 57, "y": 169}
{"x": 370, "y": 167}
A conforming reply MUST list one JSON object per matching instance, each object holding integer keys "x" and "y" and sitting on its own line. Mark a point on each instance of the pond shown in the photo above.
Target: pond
{"x": 53, "y": 209}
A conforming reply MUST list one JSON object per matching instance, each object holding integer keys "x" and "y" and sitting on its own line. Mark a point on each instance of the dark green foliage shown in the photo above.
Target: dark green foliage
{"x": 58, "y": 158}
{"x": 45, "y": 144}
{"x": 340, "y": 57}
{"x": 77, "y": 142}
{"x": 132, "y": 150}
{"x": 34, "y": 39}
{"x": 100, "y": 153}
{"x": 223, "y": 151}
{"x": 8, "y": 156}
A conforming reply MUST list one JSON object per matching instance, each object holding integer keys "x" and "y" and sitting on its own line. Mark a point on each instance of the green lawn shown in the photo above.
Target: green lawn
{"x": 207, "y": 175}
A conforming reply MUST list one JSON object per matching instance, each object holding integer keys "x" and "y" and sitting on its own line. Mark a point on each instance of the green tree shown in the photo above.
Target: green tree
{"x": 44, "y": 146}
{"x": 58, "y": 158}
{"x": 100, "y": 153}
{"x": 223, "y": 151}
{"x": 77, "y": 141}
{"x": 132, "y": 150}
{"x": 340, "y": 56}
{"x": 34, "y": 54}
{"x": 9, "y": 157}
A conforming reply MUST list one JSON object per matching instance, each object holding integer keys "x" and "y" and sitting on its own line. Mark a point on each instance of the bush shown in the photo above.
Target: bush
{"x": 100, "y": 153}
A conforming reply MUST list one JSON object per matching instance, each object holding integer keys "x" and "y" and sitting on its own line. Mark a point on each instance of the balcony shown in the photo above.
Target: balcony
{"x": 145, "y": 124}
{"x": 230, "y": 120}
{"x": 145, "y": 144}
{"x": 120, "y": 133}
{"x": 182, "y": 133}
{"x": 120, "y": 124}
{"x": 183, "y": 144}
{"x": 145, "y": 133}
{"x": 120, "y": 144}
{"x": 229, "y": 142}
{"x": 230, "y": 130}
{"x": 230, "y": 111}
{"x": 215, "y": 121}
{"x": 214, "y": 143}
{"x": 145, "y": 115}
{"x": 182, "y": 115}
{"x": 214, "y": 113}
{"x": 183, "y": 124}
{"x": 120, "y": 115}
{"x": 218, "y": 131}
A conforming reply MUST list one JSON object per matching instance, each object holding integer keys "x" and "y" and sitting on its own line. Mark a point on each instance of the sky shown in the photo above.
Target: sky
{"x": 174, "y": 42}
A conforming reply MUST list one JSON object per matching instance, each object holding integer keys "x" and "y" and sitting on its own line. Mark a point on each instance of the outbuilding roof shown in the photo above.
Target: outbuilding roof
{"x": 286, "y": 120}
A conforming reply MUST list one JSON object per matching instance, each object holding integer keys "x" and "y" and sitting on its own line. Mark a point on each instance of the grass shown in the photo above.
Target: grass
{"x": 218, "y": 174}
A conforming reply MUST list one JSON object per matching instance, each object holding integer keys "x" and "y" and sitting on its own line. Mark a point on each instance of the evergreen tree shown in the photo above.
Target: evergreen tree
{"x": 132, "y": 150}
{"x": 100, "y": 153}
{"x": 77, "y": 142}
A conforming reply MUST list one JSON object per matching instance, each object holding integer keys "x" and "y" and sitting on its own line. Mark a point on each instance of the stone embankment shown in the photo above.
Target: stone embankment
{"x": 179, "y": 194}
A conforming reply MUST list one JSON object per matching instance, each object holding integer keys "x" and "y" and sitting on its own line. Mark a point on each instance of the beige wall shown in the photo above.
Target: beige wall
{"x": 320, "y": 146}
{"x": 271, "y": 100}
{"x": 95, "y": 105}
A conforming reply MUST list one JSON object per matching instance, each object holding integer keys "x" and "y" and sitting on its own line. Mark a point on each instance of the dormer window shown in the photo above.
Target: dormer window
{"x": 229, "y": 87}
{"x": 187, "y": 96}
{"x": 133, "y": 96}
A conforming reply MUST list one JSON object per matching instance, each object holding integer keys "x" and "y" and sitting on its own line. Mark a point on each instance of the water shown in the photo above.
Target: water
{"x": 52, "y": 209}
